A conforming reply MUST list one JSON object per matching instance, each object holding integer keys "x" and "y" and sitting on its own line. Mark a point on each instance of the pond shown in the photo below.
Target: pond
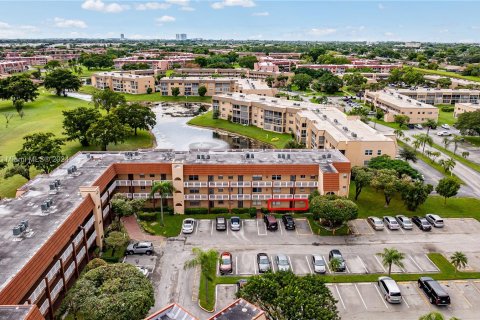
{"x": 173, "y": 132}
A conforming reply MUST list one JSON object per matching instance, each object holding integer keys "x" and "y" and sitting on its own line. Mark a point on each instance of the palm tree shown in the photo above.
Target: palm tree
{"x": 459, "y": 260}
{"x": 429, "y": 124}
{"x": 163, "y": 188}
{"x": 447, "y": 165}
{"x": 456, "y": 139}
{"x": 423, "y": 139}
{"x": 416, "y": 144}
{"x": 432, "y": 316}
{"x": 391, "y": 257}
{"x": 446, "y": 142}
{"x": 207, "y": 261}
{"x": 399, "y": 133}
{"x": 335, "y": 264}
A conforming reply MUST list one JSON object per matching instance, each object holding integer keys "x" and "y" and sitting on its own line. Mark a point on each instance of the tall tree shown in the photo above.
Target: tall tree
{"x": 459, "y": 260}
{"x": 207, "y": 261}
{"x": 62, "y": 80}
{"x": 448, "y": 187}
{"x": 391, "y": 257}
{"x": 76, "y": 123}
{"x": 202, "y": 90}
{"x": 108, "y": 129}
{"x": 408, "y": 154}
{"x": 107, "y": 99}
{"x": 116, "y": 240}
{"x": 247, "y": 61}
{"x": 415, "y": 193}
{"x": 424, "y": 139}
{"x": 328, "y": 83}
{"x": 302, "y": 81}
{"x": 361, "y": 176}
{"x": 469, "y": 123}
{"x": 136, "y": 116}
{"x": 430, "y": 124}
{"x": 18, "y": 87}
{"x": 456, "y": 140}
{"x": 334, "y": 212}
{"x": 387, "y": 181}
{"x": 21, "y": 170}
{"x": 447, "y": 165}
{"x": 401, "y": 119}
{"x": 175, "y": 91}
{"x": 163, "y": 188}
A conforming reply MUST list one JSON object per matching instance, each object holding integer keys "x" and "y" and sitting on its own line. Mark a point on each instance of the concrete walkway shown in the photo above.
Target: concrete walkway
{"x": 136, "y": 233}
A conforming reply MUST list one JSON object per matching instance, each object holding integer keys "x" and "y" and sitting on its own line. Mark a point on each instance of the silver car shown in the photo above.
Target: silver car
{"x": 319, "y": 265}
{"x": 404, "y": 222}
{"x": 263, "y": 262}
{"x": 282, "y": 262}
{"x": 391, "y": 223}
{"x": 188, "y": 225}
{"x": 435, "y": 220}
{"x": 235, "y": 223}
{"x": 376, "y": 223}
{"x": 140, "y": 248}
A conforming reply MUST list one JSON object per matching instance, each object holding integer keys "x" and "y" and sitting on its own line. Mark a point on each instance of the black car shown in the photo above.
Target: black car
{"x": 270, "y": 222}
{"x": 434, "y": 291}
{"x": 221, "y": 223}
{"x": 422, "y": 223}
{"x": 288, "y": 222}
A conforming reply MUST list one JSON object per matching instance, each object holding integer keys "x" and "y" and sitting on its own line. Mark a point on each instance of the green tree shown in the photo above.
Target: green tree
{"x": 447, "y": 187}
{"x": 270, "y": 80}
{"x": 401, "y": 167}
{"x": 443, "y": 82}
{"x": 328, "y": 83}
{"x": 354, "y": 81}
{"x": 116, "y": 240}
{"x": 469, "y": 123}
{"x": 121, "y": 207}
{"x": 401, "y": 119}
{"x": 76, "y": 298}
{"x": 465, "y": 154}
{"x": 335, "y": 264}
{"x": 408, "y": 154}
{"x": 108, "y": 129}
{"x": 18, "y": 87}
{"x": 175, "y": 91}
{"x": 284, "y": 295}
{"x": 293, "y": 144}
{"x": 447, "y": 165}
{"x": 76, "y": 123}
{"x": 62, "y": 80}
{"x": 207, "y": 261}
{"x": 163, "y": 189}
{"x": 202, "y": 90}
{"x": 247, "y": 61}
{"x": 459, "y": 260}
{"x": 94, "y": 263}
{"x": 107, "y": 99}
{"x": 424, "y": 139}
{"x": 136, "y": 116}
{"x": 391, "y": 257}
{"x": 52, "y": 65}
{"x": 415, "y": 193}
{"x": 432, "y": 316}
{"x": 302, "y": 81}
{"x": 456, "y": 140}
{"x": 430, "y": 124}
{"x": 387, "y": 181}
{"x": 361, "y": 176}
{"x": 399, "y": 133}
{"x": 335, "y": 213}
{"x": 21, "y": 170}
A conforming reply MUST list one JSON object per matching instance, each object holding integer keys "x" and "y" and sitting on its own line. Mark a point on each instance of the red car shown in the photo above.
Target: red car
{"x": 226, "y": 264}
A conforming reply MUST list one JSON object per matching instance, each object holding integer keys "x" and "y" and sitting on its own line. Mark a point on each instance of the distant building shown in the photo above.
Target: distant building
{"x": 122, "y": 36}
{"x": 181, "y": 36}
{"x": 465, "y": 107}
{"x": 9, "y": 67}
{"x": 125, "y": 82}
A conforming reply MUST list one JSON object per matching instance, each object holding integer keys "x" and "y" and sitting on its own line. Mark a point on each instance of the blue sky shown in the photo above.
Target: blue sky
{"x": 436, "y": 21}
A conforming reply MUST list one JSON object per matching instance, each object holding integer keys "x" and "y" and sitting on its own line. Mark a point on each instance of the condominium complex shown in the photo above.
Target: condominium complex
{"x": 163, "y": 64}
{"x": 9, "y": 67}
{"x": 455, "y": 81}
{"x": 123, "y": 82}
{"x": 465, "y": 107}
{"x": 237, "y": 73}
{"x": 317, "y": 126}
{"x": 49, "y": 232}
{"x": 442, "y": 96}
{"x": 393, "y": 103}
{"x": 32, "y": 61}
{"x": 188, "y": 86}
{"x": 342, "y": 68}
{"x": 280, "y": 63}
{"x": 266, "y": 67}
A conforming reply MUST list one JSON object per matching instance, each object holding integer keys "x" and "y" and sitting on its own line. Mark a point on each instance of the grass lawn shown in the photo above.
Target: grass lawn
{"x": 448, "y": 74}
{"x": 45, "y": 115}
{"x": 473, "y": 140}
{"x": 88, "y": 73}
{"x": 457, "y": 157}
{"x": 392, "y": 125}
{"x": 445, "y": 117}
{"x": 278, "y": 140}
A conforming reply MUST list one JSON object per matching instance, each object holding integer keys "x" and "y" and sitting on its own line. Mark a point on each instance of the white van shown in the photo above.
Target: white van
{"x": 435, "y": 220}
{"x": 390, "y": 290}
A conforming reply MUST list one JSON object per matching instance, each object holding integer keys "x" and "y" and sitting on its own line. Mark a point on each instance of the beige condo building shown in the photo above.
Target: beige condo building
{"x": 441, "y": 96}
{"x": 465, "y": 107}
{"x": 124, "y": 82}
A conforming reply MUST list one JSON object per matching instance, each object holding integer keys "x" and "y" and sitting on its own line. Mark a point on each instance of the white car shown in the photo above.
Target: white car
{"x": 404, "y": 222}
{"x": 418, "y": 126}
{"x": 445, "y": 126}
{"x": 282, "y": 262}
{"x": 391, "y": 223}
{"x": 376, "y": 223}
{"x": 443, "y": 133}
{"x": 188, "y": 225}
{"x": 435, "y": 220}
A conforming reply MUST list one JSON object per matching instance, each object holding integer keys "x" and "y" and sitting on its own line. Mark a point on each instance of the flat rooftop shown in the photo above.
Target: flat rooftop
{"x": 437, "y": 90}
{"x": 468, "y": 105}
{"x": 239, "y": 310}
{"x": 15, "y": 254}
{"x": 252, "y": 84}
{"x": 172, "y": 312}
{"x": 122, "y": 75}
{"x": 401, "y": 101}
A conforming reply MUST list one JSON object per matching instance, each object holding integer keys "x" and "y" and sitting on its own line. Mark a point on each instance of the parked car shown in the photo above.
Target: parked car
{"x": 390, "y": 290}
{"x": 435, "y": 220}
{"x": 140, "y": 248}
{"x": 443, "y": 133}
{"x": 445, "y": 126}
{"x": 226, "y": 265}
{"x": 270, "y": 222}
{"x": 220, "y": 223}
{"x": 235, "y": 223}
{"x": 434, "y": 291}
{"x": 188, "y": 225}
{"x": 422, "y": 223}
{"x": 288, "y": 222}
{"x": 418, "y": 126}
{"x": 282, "y": 262}
{"x": 338, "y": 255}
{"x": 263, "y": 262}
{"x": 241, "y": 283}
{"x": 376, "y": 223}
{"x": 319, "y": 265}
{"x": 391, "y": 223}
{"x": 410, "y": 126}
{"x": 404, "y": 222}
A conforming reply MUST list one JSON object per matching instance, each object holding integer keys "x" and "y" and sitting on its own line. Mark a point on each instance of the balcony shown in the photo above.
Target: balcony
{"x": 223, "y": 184}
{"x": 301, "y": 196}
{"x": 141, "y": 183}
{"x": 283, "y": 183}
{"x": 240, "y": 184}
{"x": 196, "y": 197}
{"x": 240, "y": 197}
{"x": 124, "y": 183}
{"x": 195, "y": 184}
{"x": 283, "y": 196}
{"x": 306, "y": 184}
{"x": 261, "y": 196}
{"x": 218, "y": 197}
{"x": 261, "y": 183}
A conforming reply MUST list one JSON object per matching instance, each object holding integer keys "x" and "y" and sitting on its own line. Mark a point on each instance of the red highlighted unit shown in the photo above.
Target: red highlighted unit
{"x": 290, "y": 200}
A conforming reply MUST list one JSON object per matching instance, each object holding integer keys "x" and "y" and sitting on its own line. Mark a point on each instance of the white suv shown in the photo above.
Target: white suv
{"x": 435, "y": 220}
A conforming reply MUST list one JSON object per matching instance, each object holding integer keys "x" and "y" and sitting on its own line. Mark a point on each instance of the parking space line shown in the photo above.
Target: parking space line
{"x": 381, "y": 265}
{"x": 360, "y": 295}
{"x": 258, "y": 230}
{"x": 406, "y": 303}
{"x": 228, "y": 227}
{"x": 363, "y": 264}
{"x": 308, "y": 264}
{"x": 273, "y": 264}
{"x": 346, "y": 267}
{"x": 381, "y": 297}
{"x": 424, "y": 298}
{"x": 236, "y": 264}
{"x": 432, "y": 262}
{"x": 281, "y": 229}
{"x": 387, "y": 230}
{"x": 415, "y": 262}
{"x": 326, "y": 263}
{"x": 340, "y": 296}
{"x": 291, "y": 265}
{"x": 309, "y": 228}
{"x": 195, "y": 225}
{"x": 255, "y": 265}
{"x": 401, "y": 229}
{"x": 211, "y": 231}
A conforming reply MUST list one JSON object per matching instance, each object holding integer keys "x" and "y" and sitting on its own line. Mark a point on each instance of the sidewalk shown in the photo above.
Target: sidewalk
{"x": 135, "y": 232}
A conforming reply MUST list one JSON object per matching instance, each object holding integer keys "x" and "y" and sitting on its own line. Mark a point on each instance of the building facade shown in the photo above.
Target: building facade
{"x": 236, "y": 73}
{"x": 342, "y": 68}
{"x": 124, "y": 82}
{"x": 441, "y": 96}
{"x": 9, "y": 67}
{"x": 163, "y": 64}
{"x": 465, "y": 107}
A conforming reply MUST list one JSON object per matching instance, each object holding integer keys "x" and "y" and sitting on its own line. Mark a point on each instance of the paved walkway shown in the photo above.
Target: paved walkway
{"x": 136, "y": 233}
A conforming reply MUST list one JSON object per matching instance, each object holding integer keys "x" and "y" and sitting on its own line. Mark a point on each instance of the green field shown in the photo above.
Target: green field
{"x": 473, "y": 140}
{"x": 278, "y": 140}
{"x": 448, "y": 74}
{"x": 445, "y": 117}
{"x": 45, "y": 115}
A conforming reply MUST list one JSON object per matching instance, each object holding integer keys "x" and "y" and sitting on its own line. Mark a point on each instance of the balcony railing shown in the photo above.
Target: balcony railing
{"x": 261, "y": 183}
{"x": 240, "y": 184}
{"x": 301, "y": 196}
{"x": 261, "y": 196}
{"x": 282, "y": 196}
{"x": 222, "y": 184}
{"x": 283, "y": 183}
{"x": 124, "y": 183}
{"x": 141, "y": 183}
{"x": 218, "y": 197}
{"x": 196, "y": 197}
{"x": 306, "y": 184}
{"x": 240, "y": 197}
{"x": 195, "y": 184}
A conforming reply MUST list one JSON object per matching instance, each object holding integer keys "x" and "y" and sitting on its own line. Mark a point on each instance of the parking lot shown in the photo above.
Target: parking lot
{"x": 365, "y": 301}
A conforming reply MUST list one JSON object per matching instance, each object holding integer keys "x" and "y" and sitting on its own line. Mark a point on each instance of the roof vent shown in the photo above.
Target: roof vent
{"x": 354, "y": 134}
{"x": 345, "y": 128}
{"x": 335, "y": 121}
{"x": 21, "y": 231}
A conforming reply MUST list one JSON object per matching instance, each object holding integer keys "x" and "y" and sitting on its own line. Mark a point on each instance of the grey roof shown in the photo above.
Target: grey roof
{"x": 15, "y": 312}
{"x": 239, "y": 310}
{"x": 172, "y": 312}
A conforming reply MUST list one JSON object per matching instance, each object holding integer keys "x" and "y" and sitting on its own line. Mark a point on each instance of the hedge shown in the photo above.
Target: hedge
{"x": 196, "y": 211}
{"x": 251, "y": 211}
{"x": 147, "y": 216}
{"x": 447, "y": 109}
{"x": 219, "y": 210}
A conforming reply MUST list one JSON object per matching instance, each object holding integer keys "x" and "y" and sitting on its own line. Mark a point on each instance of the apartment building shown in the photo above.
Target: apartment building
{"x": 236, "y": 73}
{"x": 266, "y": 66}
{"x": 465, "y": 107}
{"x": 441, "y": 96}
{"x": 393, "y": 103}
{"x": 189, "y": 86}
{"x": 455, "y": 81}
{"x": 317, "y": 126}
{"x": 163, "y": 64}
{"x": 9, "y": 67}
{"x": 68, "y": 210}
{"x": 123, "y": 82}
{"x": 31, "y": 61}
{"x": 342, "y": 68}
{"x": 282, "y": 64}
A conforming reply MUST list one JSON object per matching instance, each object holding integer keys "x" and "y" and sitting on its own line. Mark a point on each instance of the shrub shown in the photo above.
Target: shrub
{"x": 196, "y": 211}
{"x": 146, "y": 227}
{"x": 219, "y": 210}
{"x": 94, "y": 263}
{"x": 447, "y": 108}
{"x": 240, "y": 210}
{"x": 147, "y": 216}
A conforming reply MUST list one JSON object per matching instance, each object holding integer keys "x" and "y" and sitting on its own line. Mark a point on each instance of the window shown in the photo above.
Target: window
{"x": 194, "y": 203}
{"x": 276, "y": 177}
{"x": 256, "y": 202}
{"x": 302, "y": 189}
{"x": 302, "y": 176}
{"x": 277, "y": 190}
{"x": 142, "y": 187}
{"x": 193, "y": 177}
{"x": 220, "y": 201}
{"x": 142, "y": 175}
{"x": 220, "y": 177}
{"x": 257, "y": 178}
{"x": 313, "y": 177}
{"x": 379, "y": 152}
{"x": 163, "y": 176}
{"x": 220, "y": 189}
{"x": 230, "y": 177}
{"x": 368, "y": 152}
{"x": 152, "y": 175}
{"x": 194, "y": 190}
{"x": 256, "y": 189}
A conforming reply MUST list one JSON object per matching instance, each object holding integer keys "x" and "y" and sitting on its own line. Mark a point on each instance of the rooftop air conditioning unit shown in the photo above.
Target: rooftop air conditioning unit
{"x": 335, "y": 120}
{"x": 324, "y": 116}
{"x": 345, "y": 128}
{"x": 354, "y": 134}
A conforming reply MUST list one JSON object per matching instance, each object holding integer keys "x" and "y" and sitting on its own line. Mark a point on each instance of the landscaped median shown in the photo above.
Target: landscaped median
{"x": 468, "y": 163}
{"x": 277, "y": 140}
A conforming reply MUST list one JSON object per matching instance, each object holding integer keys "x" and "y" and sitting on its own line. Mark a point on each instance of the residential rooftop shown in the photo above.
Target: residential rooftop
{"x": 436, "y": 90}
{"x": 122, "y": 75}
{"x": 238, "y": 310}
{"x": 172, "y": 312}
{"x": 401, "y": 101}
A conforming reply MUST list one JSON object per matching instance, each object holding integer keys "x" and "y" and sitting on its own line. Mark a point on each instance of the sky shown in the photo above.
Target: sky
{"x": 427, "y": 21}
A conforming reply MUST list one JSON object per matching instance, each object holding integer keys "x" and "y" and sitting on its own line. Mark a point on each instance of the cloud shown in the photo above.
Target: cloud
{"x": 179, "y": 2}
{"x": 9, "y": 31}
{"x": 152, "y": 6}
{"x": 69, "y": 23}
{"x": 389, "y": 34}
{"x": 320, "y": 32}
{"x": 233, "y": 3}
{"x": 99, "y": 5}
{"x": 260, "y": 14}
{"x": 381, "y": 6}
{"x": 165, "y": 19}
{"x": 184, "y": 8}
